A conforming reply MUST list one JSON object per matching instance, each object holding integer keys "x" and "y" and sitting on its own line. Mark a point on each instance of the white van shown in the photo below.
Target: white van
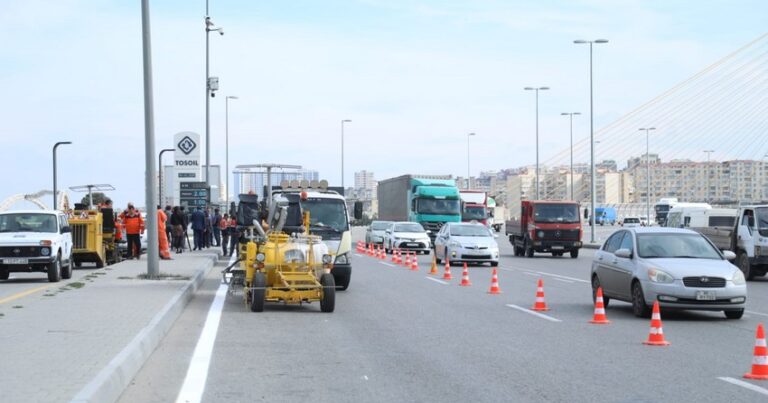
{"x": 680, "y": 215}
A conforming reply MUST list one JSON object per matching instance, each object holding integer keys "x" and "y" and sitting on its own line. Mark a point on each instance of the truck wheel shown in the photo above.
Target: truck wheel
{"x": 575, "y": 253}
{"x": 258, "y": 291}
{"x": 342, "y": 282}
{"x": 328, "y": 301}
{"x": 4, "y": 274}
{"x": 528, "y": 249}
{"x": 54, "y": 270}
{"x": 742, "y": 261}
{"x": 66, "y": 271}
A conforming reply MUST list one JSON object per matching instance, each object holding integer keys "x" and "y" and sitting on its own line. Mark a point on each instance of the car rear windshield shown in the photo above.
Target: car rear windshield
{"x": 673, "y": 245}
{"x": 28, "y": 222}
{"x": 409, "y": 228}
{"x": 379, "y": 226}
{"x": 469, "y": 230}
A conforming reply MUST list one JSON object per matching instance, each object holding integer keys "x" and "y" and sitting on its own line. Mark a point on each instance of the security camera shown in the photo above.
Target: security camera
{"x": 221, "y": 31}
{"x": 213, "y": 94}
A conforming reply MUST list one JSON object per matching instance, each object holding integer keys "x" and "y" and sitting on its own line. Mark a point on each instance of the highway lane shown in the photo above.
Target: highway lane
{"x": 398, "y": 336}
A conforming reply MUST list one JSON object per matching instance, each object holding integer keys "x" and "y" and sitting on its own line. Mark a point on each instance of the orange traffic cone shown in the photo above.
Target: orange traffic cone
{"x": 494, "y": 283}
{"x": 599, "y": 318}
{"x": 407, "y": 262}
{"x": 540, "y": 304}
{"x": 465, "y": 277}
{"x": 394, "y": 256}
{"x": 399, "y": 257}
{"x": 656, "y": 335}
{"x": 414, "y": 263}
{"x": 357, "y": 248}
{"x": 382, "y": 255}
{"x": 447, "y": 273}
{"x": 433, "y": 270}
{"x": 760, "y": 357}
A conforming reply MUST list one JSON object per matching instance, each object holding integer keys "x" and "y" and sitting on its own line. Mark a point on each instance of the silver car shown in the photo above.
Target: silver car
{"x": 466, "y": 242}
{"x": 376, "y": 232}
{"x": 679, "y": 268}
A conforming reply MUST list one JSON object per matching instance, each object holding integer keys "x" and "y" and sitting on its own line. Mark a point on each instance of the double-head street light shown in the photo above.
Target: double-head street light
{"x": 468, "y": 136}
{"x": 570, "y": 114}
{"x": 55, "y": 198}
{"x": 591, "y": 137}
{"x": 343, "y": 189}
{"x": 537, "y": 89}
{"x": 226, "y": 145}
{"x": 706, "y": 195}
{"x": 647, "y": 173}
{"x": 160, "y": 174}
{"x": 211, "y": 86}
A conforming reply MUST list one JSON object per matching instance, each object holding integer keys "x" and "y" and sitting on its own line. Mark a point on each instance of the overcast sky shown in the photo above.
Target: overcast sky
{"x": 413, "y": 76}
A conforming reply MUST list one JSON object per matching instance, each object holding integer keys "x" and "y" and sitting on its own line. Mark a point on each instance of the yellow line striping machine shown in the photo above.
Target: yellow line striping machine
{"x": 277, "y": 267}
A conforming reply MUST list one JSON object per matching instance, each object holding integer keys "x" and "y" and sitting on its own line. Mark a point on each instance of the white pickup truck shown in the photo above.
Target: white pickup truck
{"x": 35, "y": 241}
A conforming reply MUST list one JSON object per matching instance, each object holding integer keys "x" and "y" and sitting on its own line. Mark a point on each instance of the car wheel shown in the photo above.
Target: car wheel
{"x": 737, "y": 314}
{"x": 595, "y": 286}
{"x": 4, "y": 274}
{"x": 494, "y": 264}
{"x": 639, "y": 307}
{"x": 742, "y": 261}
{"x": 258, "y": 291}
{"x": 574, "y": 253}
{"x": 328, "y": 301}
{"x": 557, "y": 253}
{"x": 426, "y": 252}
{"x": 54, "y": 270}
{"x": 66, "y": 271}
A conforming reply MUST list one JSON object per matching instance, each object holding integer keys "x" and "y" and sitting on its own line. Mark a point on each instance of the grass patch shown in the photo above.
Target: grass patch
{"x": 76, "y": 284}
{"x": 164, "y": 276}
{"x": 18, "y": 306}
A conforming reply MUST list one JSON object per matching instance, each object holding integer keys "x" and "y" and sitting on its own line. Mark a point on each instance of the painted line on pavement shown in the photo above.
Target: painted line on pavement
{"x": 563, "y": 280}
{"x": 546, "y": 274}
{"x": 197, "y": 373}
{"x": 437, "y": 281}
{"x": 358, "y": 255}
{"x": 531, "y": 274}
{"x": 541, "y": 315}
{"x": 23, "y": 294}
{"x": 745, "y": 385}
{"x": 757, "y": 313}
{"x": 387, "y": 264}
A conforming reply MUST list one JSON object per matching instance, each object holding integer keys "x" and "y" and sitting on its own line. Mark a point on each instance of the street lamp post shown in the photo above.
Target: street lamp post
{"x": 706, "y": 195}
{"x": 55, "y": 146}
{"x": 591, "y": 137}
{"x": 160, "y": 175}
{"x": 153, "y": 250}
{"x": 211, "y": 85}
{"x": 226, "y": 146}
{"x": 468, "y": 136}
{"x": 343, "y": 189}
{"x": 537, "y": 89}
{"x": 570, "y": 115}
{"x": 647, "y": 174}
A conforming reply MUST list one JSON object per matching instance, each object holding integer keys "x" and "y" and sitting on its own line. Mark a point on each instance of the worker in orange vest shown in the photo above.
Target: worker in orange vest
{"x": 162, "y": 236}
{"x": 134, "y": 227}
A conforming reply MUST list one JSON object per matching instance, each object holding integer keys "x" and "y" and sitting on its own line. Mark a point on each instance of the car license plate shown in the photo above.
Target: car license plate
{"x": 557, "y": 247}
{"x": 705, "y": 295}
{"x": 412, "y": 245}
{"x": 15, "y": 260}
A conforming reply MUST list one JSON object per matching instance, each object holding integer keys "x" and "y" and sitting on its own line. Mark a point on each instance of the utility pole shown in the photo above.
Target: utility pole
{"x": 153, "y": 264}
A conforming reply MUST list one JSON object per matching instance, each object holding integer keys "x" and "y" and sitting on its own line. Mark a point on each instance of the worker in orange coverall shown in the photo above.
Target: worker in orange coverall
{"x": 162, "y": 236}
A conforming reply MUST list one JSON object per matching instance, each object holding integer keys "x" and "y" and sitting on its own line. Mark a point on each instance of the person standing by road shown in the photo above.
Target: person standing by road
{"x": 234, "y": 235}
{"x": 177, "y": 222}
{"x": 224, "y": 231}
{"x": 168, "y": 226}
{"x": 162, "y": 235}
{"x": 216, "y": 224}
{"x": 207, "y": 233}
{"x": 198, "y": 228}
{"x": 134, "y": 227}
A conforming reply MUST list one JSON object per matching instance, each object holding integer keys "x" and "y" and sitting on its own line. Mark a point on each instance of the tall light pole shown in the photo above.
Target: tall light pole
{"x": 591, "y": 137}
{"x": 55, "y": 199}
{"x": 537, "y": 89}
{"x": 160, "y": 174}
{"x": 706, "y": 196}
{"x": 211, "y": 85}
{"x": 570, "y": 115}
{"x": 226, "y": 146}
{"x": 647, "y": 173}
{"x": 153, "y": 250}
{"x": 468, "y": 136}
{"x": 343, "y": 189}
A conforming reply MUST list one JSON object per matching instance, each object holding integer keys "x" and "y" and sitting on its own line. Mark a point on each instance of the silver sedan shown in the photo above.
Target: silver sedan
{"x": 680, "y": 268}
{"x": 466, "y": 242}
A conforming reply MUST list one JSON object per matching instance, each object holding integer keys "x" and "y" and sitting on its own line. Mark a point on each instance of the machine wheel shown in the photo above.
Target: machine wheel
{"x": 595, "y": 286}
{"x": 342, "y": 282}
{"x": 78, "y": 263}
{"x": 528, "y": 249}
{"x": 54, "y": 270}
{"x": 734, "y": 314}
{"x": 99, "y": 264}
{"x": 742, "y": 261}
{"x": 4, "y": 274}
{"x": 66, "y": 271}
{"x": 575, "y": 253}
{"x": 258, "y": 291}
{"x": 328, "y": 301}
{"x": 639, "y": 307}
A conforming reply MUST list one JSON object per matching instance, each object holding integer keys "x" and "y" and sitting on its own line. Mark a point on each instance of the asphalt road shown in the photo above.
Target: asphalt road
{"x": 398, "y": 335}
{"x": 20, "y": 285}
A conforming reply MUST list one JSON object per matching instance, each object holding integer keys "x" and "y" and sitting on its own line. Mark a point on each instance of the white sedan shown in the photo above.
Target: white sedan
{"x": 406, "y": 235}
{"x": 466, "y": 242}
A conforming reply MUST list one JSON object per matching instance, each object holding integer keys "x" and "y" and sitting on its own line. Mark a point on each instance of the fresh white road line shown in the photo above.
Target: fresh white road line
{"x": 358, "y": 255}
{"x": 197, "y": 373}
{"x": 757, "y": 313}
{"x": 564, "y": 281}
{"x": 437, "y": 281}
{"x": 531, "y": 274}
{"x": 745, "y": 385}
{"x": 547, "y": 274}
{"x": 534, "y": 313}
{"x": 387, "y": 264}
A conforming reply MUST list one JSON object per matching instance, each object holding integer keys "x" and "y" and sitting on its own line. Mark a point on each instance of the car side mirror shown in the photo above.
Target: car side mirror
{"x": 66, "y": 229}
{"x": 429, "y": 231}
{"x": 728, "y": 255}
{"x": 358, "y": 210}
{"x": 623, "y": 253}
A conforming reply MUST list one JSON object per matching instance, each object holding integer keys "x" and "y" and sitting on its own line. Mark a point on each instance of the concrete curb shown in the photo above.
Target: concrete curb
{"x": 111, "y": 381}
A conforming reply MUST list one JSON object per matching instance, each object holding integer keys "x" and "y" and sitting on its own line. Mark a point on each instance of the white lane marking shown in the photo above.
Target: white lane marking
{"x": 531, "y": 274}
{"x": 541, "y": 315}
{"x": 437, "y": 281}
{"x": 387, "y": 264}
{"x": 547, "y": 274}
{"x": 358, "y": 255}
{"x": 757, "y": 313}
{"x": 197, "y": 373}
{"x": 564, "y": 281}
{"x": 745, "y": 385}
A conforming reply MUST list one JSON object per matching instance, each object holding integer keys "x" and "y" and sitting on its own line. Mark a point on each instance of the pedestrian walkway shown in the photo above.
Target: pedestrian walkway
{"x": 84, "y": 339}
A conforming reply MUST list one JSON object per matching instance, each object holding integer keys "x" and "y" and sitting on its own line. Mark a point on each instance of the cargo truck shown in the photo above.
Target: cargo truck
{"x": 546, "y": 226}
{"x": 430, "y": 200}
{"x": 474, "y": 206}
